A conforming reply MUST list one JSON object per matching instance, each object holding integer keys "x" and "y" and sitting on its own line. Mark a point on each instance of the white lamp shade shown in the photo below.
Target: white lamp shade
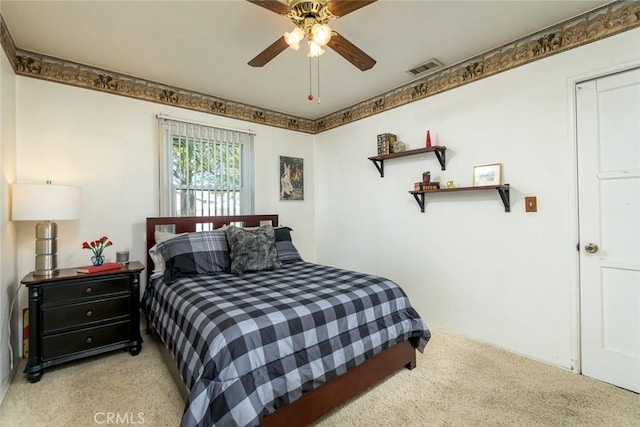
{"x": 45, "y": 202}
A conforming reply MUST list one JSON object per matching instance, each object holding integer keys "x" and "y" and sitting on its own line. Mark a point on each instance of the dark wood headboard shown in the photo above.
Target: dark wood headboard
{"x": 186, "y": 224}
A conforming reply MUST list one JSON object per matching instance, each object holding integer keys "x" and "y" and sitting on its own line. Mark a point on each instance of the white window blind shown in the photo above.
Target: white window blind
{"x": 204, "y": 170}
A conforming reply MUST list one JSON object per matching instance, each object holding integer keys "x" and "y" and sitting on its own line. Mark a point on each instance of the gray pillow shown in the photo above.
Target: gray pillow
{"x": 202, "y": 252}
{"x": 252, "y": 250}
{"x": 287, "y": 252}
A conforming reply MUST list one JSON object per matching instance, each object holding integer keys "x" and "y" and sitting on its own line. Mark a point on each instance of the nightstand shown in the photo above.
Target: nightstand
{"x": 75, "y": 315}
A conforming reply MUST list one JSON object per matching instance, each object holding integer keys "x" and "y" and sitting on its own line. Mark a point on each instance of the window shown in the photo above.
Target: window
{"x": 204, "y": 170}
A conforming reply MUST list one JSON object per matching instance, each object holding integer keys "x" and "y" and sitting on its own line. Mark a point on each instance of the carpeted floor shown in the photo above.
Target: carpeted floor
{"x": 458, "y": 382}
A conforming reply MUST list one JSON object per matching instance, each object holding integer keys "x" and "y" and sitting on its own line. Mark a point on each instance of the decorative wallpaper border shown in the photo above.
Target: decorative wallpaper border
{"x": 611, "y": 19}
{"x": 606, "y": 21}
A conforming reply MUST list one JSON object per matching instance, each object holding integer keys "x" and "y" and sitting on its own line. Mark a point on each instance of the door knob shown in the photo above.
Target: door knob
{"x": 591, "y": 248}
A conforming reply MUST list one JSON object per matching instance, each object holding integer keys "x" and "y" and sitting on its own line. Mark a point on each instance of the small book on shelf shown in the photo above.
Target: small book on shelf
{"x": 96, "y": 268}
{"x": 426, "y": 186}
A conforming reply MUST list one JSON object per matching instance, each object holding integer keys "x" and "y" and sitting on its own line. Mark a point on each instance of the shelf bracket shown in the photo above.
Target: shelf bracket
{"x": 379, "y": 164}
{"x": 420, "y": 199}
{"x": 441, "y": 155}
{"x": 504, "y": 195}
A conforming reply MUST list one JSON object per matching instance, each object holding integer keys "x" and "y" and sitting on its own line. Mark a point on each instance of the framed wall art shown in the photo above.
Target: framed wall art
{"x": 291, "y": 178}
{"x": 484, "y": 175}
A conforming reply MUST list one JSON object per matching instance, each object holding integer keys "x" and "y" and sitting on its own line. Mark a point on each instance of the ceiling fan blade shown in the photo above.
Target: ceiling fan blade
{"x": 269, "y": 53}
{"x": 342, "y": 7}
{"x": 351, "y": 52}
{"x": 272, "y": 5}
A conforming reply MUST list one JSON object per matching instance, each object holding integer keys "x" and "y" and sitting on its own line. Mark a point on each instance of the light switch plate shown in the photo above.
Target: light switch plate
{"x": 531, "y": 204}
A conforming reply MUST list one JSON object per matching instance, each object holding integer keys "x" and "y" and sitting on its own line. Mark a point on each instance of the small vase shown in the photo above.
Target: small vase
{"x": 97, "y": 260}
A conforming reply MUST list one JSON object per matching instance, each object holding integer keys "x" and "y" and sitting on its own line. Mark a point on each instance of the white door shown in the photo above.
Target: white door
{"x": 608, "y": 130}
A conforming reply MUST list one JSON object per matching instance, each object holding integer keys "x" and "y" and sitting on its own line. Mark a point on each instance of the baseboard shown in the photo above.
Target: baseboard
{"x": 4, "y": 387}
{"x": 6, "y": 382}
{"x": 507, "y": 349}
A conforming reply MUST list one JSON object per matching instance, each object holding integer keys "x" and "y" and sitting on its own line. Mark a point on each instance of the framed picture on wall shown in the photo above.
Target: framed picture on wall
{"x": 291, "y": 178}
{"x": 487, "y": 175}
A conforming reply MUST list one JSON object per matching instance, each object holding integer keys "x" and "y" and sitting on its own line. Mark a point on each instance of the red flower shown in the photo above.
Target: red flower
{"x": 97, "y": 246}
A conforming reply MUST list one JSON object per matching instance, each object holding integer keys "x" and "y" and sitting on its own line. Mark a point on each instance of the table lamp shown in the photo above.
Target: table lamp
{"x": 45, "y": 203}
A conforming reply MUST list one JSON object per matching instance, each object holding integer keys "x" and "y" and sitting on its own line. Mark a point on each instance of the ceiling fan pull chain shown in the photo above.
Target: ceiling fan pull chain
{"x": 318, "y": 80}
{"x": 310, "y": 97}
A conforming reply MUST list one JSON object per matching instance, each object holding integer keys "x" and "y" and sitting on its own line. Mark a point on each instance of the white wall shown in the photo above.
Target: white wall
{"x": 503, "y": 278}
{"x": 8, "y": 271}
{"x": 107, "y": 145}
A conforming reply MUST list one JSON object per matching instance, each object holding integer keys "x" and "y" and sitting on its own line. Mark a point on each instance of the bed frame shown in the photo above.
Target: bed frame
{"x": 318, "y": 402}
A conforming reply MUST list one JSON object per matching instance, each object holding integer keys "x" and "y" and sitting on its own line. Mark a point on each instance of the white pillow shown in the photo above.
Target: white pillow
{"x": 158, "y": 262}
{"x": 163, "y": 236}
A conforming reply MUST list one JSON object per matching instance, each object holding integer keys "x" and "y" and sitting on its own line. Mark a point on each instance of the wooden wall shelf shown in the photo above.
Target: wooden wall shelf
{"x": 503, "y": 190}
{"x": 438, "y": 150}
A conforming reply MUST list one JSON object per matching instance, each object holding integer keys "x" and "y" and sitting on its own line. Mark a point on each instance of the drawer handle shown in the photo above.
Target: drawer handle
{"x": 88, "y": 290}
{"x": 88, "y": 340}
{"x": 89, "y": 313}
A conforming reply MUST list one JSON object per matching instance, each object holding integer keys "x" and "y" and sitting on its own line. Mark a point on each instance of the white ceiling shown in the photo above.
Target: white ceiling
{"x": 204, "y": 46}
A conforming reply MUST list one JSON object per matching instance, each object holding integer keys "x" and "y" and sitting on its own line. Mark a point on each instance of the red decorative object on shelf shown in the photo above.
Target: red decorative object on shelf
{"x": 428, "y": 140}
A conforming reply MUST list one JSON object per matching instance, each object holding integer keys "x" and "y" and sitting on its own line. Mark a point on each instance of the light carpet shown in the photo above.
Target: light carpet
{"x": 458, "y": 382}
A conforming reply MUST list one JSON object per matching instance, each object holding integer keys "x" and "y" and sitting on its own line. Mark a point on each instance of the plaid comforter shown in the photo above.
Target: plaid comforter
{"x": 247, "y": 345}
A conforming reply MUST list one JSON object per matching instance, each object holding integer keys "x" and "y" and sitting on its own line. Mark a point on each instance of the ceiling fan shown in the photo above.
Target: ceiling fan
{"x": 311, "y": 18}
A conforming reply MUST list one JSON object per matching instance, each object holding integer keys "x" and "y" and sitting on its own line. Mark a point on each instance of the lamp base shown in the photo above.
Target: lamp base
{"x": 46, "y": 265}
{"x": 46, "y": 248}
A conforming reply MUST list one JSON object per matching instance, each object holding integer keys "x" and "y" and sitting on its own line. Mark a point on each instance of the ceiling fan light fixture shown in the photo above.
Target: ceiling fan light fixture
{"x": 321, "y": 34}
{"x": 314, "y": 49}
{"x": 294, "y": 37}
{"x": 311, "y": 19}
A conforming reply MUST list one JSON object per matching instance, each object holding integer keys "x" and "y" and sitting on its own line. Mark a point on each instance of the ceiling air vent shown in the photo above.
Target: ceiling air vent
{"x": 425, "y": 68}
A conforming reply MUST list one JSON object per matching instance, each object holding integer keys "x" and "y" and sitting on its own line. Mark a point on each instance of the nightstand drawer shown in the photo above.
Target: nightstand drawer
{"x": 86, "y": 339}
{"x": 67, "y": 316}
{"x": 84, "y": 289}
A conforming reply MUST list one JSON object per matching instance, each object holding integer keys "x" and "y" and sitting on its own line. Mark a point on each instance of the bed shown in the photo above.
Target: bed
{"x": 277, "y": 346}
